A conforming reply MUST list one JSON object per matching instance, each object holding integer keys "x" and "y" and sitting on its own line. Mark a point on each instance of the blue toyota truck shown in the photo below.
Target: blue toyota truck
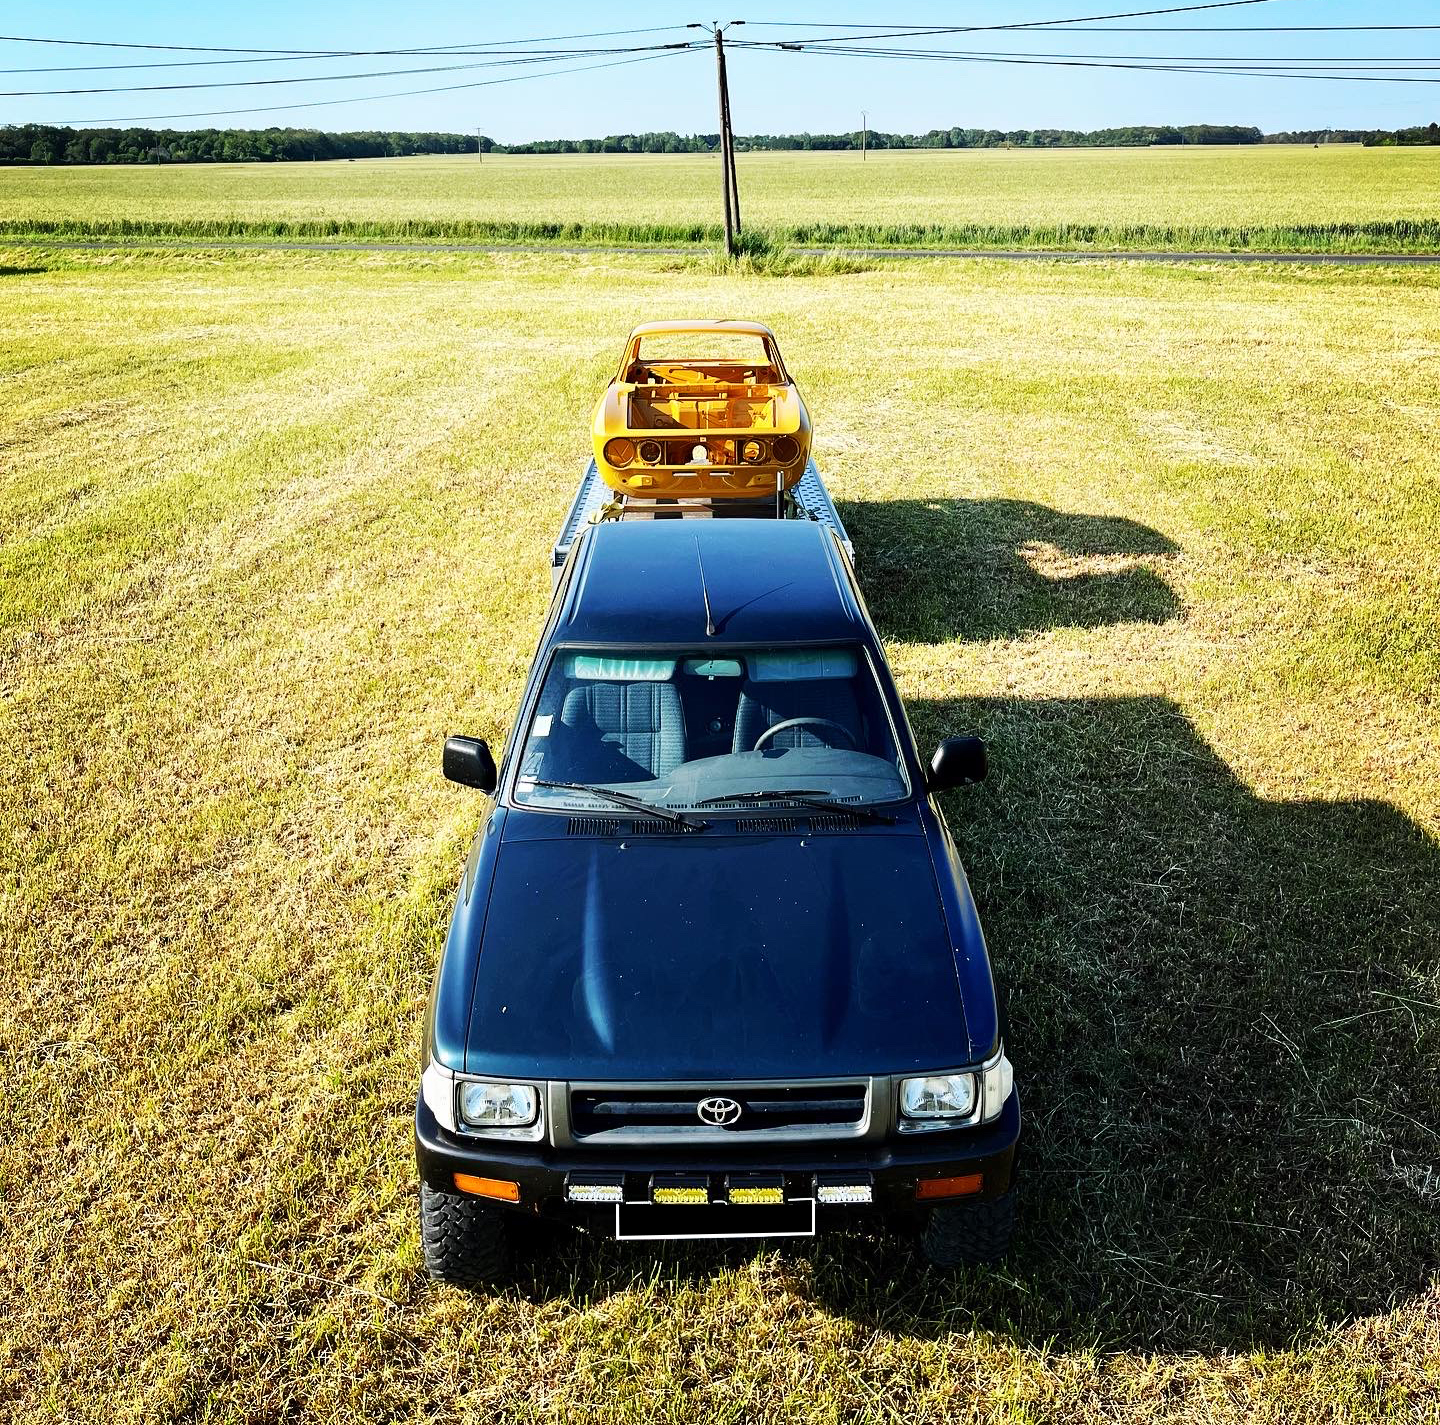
{"x": 714, "y": 970}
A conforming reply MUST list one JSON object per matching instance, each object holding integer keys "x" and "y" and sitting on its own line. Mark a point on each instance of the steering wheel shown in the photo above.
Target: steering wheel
{"x": 806, "y": 722}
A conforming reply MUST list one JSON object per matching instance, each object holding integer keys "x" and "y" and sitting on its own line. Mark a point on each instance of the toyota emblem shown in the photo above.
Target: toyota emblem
{"x": 718, "y": 1112}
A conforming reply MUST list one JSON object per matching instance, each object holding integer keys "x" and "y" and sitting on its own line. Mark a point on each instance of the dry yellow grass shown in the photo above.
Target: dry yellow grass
{"x": 270, "y": 525}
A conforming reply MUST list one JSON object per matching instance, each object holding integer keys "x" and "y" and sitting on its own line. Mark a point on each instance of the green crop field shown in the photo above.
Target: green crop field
{"x": 272, "y": 524}
{"x": 1264, "y": 197}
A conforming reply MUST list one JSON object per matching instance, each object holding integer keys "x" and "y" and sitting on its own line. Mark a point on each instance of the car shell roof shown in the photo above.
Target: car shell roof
{"x": 748, "y": 328}
{"x": 769, "y": 581}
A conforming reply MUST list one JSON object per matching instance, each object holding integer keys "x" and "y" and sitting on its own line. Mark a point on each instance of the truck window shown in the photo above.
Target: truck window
{"x": 681, "y": 730}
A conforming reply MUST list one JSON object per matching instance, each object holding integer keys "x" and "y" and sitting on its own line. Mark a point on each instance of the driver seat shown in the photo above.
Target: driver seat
{"x": 764, "y": 704}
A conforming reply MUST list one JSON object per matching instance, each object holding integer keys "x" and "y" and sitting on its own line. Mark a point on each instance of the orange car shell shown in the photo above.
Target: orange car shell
{"x": 701, "y": 408}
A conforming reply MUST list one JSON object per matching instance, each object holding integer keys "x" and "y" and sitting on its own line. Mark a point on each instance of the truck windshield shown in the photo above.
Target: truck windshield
{"x": 694, "y": 730}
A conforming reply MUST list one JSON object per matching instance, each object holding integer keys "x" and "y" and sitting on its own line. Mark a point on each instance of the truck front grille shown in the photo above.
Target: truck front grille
{"x": 768, "y": 1112}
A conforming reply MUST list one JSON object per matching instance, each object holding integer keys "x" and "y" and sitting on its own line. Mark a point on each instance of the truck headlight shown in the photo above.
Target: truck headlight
{"x": 939, "y": 1096}
{"x": 491, "y": 1105}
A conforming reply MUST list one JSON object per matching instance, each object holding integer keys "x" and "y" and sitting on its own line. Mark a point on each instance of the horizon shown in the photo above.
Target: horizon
{"x": 772, "y": 92}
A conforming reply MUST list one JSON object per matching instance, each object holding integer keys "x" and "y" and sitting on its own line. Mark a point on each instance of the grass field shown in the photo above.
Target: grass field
{"x": 272, "y": 524}
{"x": 1265, "y": 197}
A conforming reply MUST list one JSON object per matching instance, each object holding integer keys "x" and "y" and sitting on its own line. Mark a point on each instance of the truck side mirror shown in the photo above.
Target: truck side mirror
{"x": 958, "y": 762}
{"x": 467, "y": 760}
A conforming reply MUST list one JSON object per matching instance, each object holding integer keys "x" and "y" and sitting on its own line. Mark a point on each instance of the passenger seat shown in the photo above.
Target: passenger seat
{"x": 639, "y": 731}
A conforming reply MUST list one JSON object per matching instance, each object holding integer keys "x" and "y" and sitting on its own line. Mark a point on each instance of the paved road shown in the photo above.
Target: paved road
{"x": 1344, "y": 259}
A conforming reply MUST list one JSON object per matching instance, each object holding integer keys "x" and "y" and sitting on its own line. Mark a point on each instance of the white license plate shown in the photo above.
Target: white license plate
{"x": 651, "y": 1222}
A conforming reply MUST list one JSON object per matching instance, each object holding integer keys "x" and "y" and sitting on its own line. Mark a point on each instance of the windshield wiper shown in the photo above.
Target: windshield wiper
{"x": 622, "y": 799}
{"x": 805, "y": 797}
{"x": 762, "y": 796}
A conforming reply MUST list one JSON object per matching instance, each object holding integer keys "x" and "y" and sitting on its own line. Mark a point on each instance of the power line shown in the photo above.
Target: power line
{"x": 1266, "y": 61}
{"x": 336, "y": 53}
{"x": 365, "y": 98}
{"x": 537, "y": 57}
{"x": 1176, "y": 68}
{"x": 1072, "y": 27}
{"x": 455, "y": 50}
{"x": 917, "y": 31}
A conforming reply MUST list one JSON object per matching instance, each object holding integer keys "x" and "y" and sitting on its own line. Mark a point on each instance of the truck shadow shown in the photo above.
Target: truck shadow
{"x": 935, "y": 570}
{"x": 1223, "y": 1015}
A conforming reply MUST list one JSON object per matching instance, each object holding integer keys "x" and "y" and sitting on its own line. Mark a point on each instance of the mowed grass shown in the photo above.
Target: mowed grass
{"x": 1339, "y": 198}
{"x": 272, "y": 524}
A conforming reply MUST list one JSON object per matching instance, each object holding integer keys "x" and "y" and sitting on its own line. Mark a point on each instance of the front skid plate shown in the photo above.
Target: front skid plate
{"x": 648, "y": 1222}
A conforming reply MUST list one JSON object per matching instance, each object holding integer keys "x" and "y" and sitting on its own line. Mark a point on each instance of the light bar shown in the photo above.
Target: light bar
{"x": 681, "y": 1196}
{"x": 596, "y": 1190}
{"x": 837, "y": 1193}
{"x": 680, "y": 1192}
{"x": 755, "y": 1192}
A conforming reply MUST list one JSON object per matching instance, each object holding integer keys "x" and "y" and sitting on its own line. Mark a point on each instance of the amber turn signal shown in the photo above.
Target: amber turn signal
{"x": 498, "y": 1188}
{"x": 950, "y": 1187}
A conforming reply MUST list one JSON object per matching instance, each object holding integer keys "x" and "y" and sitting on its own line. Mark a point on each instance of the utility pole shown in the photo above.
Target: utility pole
{"x": 864, "y": 134}
{"x": 479, "y": 152}
{"x": 729, "y": 134}
{"x": 730, "y": 187}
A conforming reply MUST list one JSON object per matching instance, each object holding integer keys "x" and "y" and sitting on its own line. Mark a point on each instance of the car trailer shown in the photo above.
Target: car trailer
{"x": 595, "y": 501}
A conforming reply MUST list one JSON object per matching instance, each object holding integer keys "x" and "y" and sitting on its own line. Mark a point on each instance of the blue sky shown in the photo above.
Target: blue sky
{"x": 770, "y": 92}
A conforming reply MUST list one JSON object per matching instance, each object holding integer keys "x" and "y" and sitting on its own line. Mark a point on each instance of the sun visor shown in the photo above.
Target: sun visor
{"x": 801, "y": 665}
{"x": 621, "y": 670}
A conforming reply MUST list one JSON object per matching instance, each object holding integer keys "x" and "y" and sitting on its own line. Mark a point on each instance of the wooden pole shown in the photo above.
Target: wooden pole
{"x": 730, "y": 142}
{"x": 724, "y": 143}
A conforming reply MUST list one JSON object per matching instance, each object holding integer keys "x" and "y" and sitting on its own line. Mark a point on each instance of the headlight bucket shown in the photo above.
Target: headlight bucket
{"x": 620, "y": 452}
{"x": 929, "y": 1102}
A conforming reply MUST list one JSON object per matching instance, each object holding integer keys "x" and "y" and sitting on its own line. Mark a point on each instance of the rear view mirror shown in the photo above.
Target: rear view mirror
{"x": 958, "y": 762}
{"x": 467, "y": 760}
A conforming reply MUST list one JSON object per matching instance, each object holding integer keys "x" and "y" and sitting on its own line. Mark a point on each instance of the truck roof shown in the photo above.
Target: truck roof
{"x": 639, "y": 582}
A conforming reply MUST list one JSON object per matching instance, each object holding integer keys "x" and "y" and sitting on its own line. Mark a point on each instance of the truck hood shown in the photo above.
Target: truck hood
{"x": 715, "y": 956}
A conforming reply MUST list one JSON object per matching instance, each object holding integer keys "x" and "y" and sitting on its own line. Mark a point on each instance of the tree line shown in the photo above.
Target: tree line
{"x": 1371, "y": 138}
{"x": 53, "y": 144}
{"x": 47, "y": 143}
{"x": 1133, "y": 136}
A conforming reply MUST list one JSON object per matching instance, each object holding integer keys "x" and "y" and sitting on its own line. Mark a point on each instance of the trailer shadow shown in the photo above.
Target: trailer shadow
{"x": 936, "y": 570}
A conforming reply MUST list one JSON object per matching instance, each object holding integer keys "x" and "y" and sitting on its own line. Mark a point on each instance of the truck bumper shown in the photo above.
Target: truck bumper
{"x": 894, "y": 1169}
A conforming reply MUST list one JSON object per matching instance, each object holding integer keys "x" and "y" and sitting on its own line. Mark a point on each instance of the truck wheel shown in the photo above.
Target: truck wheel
{"x": 464, "y": 1240}
{"x": 969, "y": 1234}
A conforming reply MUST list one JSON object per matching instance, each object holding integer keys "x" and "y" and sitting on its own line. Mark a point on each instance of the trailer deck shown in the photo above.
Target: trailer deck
{"x": 595, "y": 500}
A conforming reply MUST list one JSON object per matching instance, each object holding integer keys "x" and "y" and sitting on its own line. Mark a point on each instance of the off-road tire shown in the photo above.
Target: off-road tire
{"x": 969, "y": 1234}
{"x": 465, "y": 1241}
